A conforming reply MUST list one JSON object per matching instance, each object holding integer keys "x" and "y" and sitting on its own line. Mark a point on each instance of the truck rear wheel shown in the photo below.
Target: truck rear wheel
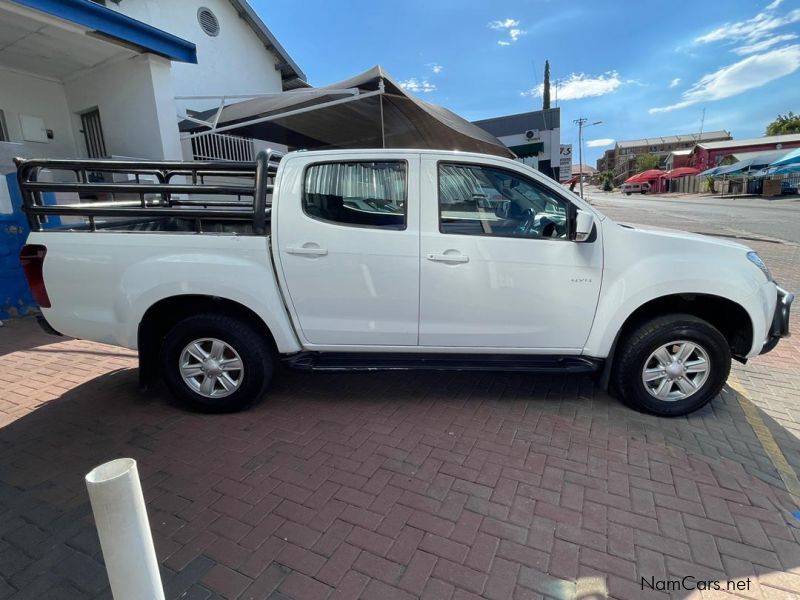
{"x": 216, "y": 363}
{"x": 672, "y": 365}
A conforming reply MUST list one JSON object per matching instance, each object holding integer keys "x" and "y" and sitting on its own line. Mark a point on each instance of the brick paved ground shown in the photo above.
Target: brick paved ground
{"x": 396, "y": 485}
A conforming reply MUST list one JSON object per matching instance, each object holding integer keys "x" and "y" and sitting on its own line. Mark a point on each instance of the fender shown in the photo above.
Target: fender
{"x": 643, "y": 265}
{"x": 141, "y": 288}
{"x": 130, "y": 273}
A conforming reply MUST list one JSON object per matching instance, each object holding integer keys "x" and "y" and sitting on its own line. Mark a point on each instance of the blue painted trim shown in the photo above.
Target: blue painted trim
{"x": 116, "y": 25}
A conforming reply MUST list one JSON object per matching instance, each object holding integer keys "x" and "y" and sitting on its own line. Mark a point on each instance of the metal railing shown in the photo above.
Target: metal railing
{"x": 174, "y": 193}
{"x": 222, "y": 146}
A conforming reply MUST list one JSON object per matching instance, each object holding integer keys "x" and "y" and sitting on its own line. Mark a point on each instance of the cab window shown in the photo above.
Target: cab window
{"x": 357, "y": 194}
{"x": 489, "y": 201}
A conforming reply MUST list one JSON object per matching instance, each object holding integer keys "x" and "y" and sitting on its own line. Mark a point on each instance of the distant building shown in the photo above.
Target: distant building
{"x": 677, "y": 158}
{"x": 627, "y": 151}
{"x": 535, "y": 137}
{"x": 606, "y": 162}
{"x": 710, "y": 154}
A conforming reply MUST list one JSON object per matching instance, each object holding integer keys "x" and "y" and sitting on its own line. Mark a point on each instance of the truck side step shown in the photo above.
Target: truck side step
{"x": 368, "y": 361}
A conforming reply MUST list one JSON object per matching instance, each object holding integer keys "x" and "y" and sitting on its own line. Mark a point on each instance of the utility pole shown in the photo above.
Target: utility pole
{"x": 702, "y": 122}
{"x": 546, "y": 86}
{"x": 581, "y": 123}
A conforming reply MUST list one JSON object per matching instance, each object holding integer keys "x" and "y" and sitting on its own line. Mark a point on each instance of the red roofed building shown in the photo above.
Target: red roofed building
{"x": 709, "y": 154}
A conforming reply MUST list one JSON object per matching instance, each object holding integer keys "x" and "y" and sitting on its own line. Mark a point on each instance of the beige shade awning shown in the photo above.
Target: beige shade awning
{"x": 369, "y": 110}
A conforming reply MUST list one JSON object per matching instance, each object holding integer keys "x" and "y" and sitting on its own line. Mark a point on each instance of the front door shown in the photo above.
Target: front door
{"x": 348, "y": 238}
{"x": 497, "y": 268}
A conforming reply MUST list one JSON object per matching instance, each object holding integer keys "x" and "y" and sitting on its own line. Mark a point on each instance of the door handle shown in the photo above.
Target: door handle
{"x": 306, "y": 251}
{"x": 448, "y": 258}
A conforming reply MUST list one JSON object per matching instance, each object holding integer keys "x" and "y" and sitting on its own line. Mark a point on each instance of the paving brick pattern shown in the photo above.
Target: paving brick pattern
{"x": 382, "y": 486}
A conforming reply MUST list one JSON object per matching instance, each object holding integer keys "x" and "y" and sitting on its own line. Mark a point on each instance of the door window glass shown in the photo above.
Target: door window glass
{"x": 483, "y": 200}
{"x": 358, "y": 194}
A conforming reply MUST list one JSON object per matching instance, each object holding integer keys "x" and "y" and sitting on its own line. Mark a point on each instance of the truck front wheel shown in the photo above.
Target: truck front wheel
{"x": 216, "y": 363}
{"x": 672, "y": 365}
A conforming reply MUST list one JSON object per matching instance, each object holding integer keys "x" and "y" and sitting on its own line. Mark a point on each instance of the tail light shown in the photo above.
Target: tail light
{"x": 32, "y": 258}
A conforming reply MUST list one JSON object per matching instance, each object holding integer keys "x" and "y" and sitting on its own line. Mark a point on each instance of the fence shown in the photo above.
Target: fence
{"x": 770, "y": 186}
{"x": 222, "y": 146}
{"x": 684, "y": 185}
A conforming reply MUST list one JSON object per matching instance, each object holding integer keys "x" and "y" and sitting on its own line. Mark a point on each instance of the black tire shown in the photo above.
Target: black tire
{"x": 248, "y": 342}
{"x": 628, "y": 193}
{"x": 637, "y": 347}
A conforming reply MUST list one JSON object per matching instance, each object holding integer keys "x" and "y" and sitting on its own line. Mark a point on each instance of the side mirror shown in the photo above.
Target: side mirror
{"x": 584, "y": 222}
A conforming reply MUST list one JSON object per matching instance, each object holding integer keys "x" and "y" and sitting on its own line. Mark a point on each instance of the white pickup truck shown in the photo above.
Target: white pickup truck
{"x": 384, "y": 259}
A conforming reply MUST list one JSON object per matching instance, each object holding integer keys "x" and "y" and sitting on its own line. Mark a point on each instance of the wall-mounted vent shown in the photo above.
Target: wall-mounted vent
{"x": 208, "y": 21}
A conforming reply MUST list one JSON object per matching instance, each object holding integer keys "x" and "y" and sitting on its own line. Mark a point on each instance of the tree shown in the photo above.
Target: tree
{"x": 546, "y": 86}
{"x": 607, "y": 177}
{"x": 645, "y": 162}
{"x": 788, "y": 123}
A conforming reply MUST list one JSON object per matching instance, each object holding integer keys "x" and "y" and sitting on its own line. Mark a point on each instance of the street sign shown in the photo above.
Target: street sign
{"x": 565, "y": 162}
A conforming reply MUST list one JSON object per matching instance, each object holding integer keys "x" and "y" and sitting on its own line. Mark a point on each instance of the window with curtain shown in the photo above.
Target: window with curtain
{"x": 358, "y": 193}
{"x": 484, "y": 200}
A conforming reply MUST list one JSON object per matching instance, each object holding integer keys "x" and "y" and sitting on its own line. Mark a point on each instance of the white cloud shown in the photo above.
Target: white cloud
{"x": 600, "y": 143}
{"x": 751, "y": 30}
{"x": 747, "y": 74}
{"x": 580, "y": 85}
{"x": 435, "y": 67}
{"x": 416, "y": 86}
{"x": 675, "y": 82}
{"x": 506, "y": 24}
{"x": 511, "y": 26}
{"x": 774, "y": 4}
{"x": 764, "y": 44}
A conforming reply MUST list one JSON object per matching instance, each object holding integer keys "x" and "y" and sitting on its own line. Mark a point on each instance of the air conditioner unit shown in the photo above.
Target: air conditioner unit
{"x": 532, "y": 134}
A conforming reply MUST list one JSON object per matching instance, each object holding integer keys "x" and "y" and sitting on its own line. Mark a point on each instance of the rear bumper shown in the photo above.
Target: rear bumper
{"x": 780, "y": 320}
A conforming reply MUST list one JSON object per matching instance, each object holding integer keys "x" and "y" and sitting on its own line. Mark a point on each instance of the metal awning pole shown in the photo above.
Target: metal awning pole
{"x": 383, "y": 130}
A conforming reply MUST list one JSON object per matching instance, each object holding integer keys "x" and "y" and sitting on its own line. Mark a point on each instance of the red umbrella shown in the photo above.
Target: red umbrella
{"x": 681, "y": 172}
{"x": 648, "y": 175}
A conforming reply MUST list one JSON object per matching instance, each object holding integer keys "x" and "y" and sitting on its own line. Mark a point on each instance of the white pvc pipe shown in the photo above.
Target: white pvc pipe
{"x": 121, "y": 517}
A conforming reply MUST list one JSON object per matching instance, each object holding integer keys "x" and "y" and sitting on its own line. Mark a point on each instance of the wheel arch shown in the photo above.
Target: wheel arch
{"x": 729, "y": 317}
{"x": 161, "y": 316}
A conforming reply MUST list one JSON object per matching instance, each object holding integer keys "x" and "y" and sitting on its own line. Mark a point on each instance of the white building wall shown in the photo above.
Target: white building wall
{"x": 233, "y": 62}
{"x": 135, "y": 101}
{"x": 24, "y": 94}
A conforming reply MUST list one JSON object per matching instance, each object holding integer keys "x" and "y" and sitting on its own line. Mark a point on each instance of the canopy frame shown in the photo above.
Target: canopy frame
{"x": 213, "y": 125}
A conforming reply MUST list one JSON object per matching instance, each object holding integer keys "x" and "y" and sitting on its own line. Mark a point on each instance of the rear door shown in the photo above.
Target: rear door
{"x": 347, "y": 236}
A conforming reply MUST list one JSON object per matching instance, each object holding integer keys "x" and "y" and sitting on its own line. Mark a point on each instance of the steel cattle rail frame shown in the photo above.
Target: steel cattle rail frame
{"x": 262, "y": 171}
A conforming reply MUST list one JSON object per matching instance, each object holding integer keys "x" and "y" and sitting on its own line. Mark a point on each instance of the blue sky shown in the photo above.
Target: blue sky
{"x": 642, "y": 71}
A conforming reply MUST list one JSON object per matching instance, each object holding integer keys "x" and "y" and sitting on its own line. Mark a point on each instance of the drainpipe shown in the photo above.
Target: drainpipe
{"x": 124, "y": 530}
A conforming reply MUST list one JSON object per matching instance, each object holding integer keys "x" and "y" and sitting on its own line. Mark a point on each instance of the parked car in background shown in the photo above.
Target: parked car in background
{"x": 635, "y": 188}
{"x": 385, "y": 259}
